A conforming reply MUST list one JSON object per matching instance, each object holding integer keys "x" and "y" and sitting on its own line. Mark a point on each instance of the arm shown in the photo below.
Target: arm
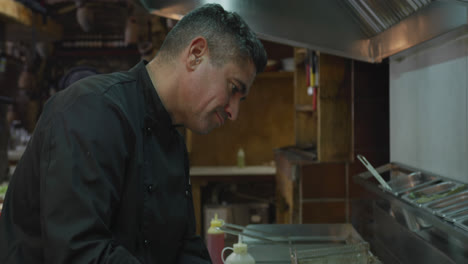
{"x": 81, "y": 182}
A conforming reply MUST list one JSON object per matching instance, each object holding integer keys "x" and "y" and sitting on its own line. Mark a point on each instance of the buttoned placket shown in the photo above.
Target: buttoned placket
{"x": 181, "y": 144}
{"x": 148, "y": 132}
{"x": 188, "y": 185}
{"x": 150, "y": 188}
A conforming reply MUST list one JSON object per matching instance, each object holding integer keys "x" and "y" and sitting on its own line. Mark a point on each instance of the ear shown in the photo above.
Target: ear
{"x": 197, "y": 50}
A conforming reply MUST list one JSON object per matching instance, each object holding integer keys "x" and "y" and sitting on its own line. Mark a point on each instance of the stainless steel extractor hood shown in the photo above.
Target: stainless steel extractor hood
{"x": 367, "y": 30}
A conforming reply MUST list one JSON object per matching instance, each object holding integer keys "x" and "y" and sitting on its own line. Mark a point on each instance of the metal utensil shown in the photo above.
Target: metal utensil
{"x": 238, "y": 230}
{"x": 374, "y": 172}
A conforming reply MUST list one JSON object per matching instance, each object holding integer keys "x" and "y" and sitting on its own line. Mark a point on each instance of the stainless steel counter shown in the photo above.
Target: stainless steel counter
{"x": 404, "y": 232}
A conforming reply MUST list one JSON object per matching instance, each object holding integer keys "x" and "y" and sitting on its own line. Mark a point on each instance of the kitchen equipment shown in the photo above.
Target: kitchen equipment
{"x": 402, "y": 180}
{"x": 350, "y": 254}
{"x": 434, "y": 192}
{"x": 306, "y": 243}
{"x": 241, "y": 214}
{"x": 409, "y": 182}
{"x": 447, "y": 202}
{"x": 456, "y": 216}
{"x": 463, "y": 224}
{"x": 374, "y": 172}
{"x": 453, "y": 209}
{"x": 403, "y": 231}
{"x": 254, "y": 234}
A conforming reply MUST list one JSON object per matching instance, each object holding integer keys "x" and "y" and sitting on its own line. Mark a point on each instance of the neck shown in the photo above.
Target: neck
{"x": 164, "y": 79}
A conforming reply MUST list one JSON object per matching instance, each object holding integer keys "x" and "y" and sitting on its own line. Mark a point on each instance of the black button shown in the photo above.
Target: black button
{"x": 186, "y": 193}
{"x": 146, "y": 242}
{"x": 150, "y": 188}
{"x": 148, "y": 131}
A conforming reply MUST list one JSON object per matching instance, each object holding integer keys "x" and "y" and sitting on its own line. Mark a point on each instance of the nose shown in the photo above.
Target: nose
{"x": 232, "y": 109}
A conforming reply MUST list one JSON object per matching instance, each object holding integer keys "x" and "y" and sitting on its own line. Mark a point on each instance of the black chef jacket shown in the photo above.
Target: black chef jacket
{"x": 104, "y": 179}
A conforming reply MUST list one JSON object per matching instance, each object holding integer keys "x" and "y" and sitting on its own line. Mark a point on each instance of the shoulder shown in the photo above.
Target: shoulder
{"x": 100, "y": 84}
{"x": 103, "y": 88}
{"x": 95, "y": 94}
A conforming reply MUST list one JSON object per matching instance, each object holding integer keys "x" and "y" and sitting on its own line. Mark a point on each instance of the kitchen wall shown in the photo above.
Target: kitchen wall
{"x": 428, "y": 109}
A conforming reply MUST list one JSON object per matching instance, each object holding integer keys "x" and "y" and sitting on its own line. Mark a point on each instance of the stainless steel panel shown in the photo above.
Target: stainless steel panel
{"x": 436, "y": 21}
{"x": 376, "y": 16}
{"x": 405, "y": 244}
{"x": 368, "y": 30}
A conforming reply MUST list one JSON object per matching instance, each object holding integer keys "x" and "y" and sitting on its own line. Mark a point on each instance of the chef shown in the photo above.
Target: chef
{"x": 105, "y": 177}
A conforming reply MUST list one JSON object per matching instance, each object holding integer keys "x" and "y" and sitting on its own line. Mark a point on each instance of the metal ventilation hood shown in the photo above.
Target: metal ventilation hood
{"x": 367, "y": 30}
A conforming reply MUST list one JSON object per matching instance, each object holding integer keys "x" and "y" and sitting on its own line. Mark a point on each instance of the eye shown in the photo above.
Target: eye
{"x": 234, "y": 89}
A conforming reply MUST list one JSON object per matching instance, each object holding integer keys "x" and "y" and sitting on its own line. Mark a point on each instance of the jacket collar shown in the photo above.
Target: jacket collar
{"x": 154, "y": 108}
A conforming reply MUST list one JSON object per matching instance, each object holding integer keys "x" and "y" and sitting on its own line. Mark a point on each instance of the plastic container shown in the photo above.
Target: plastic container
{"x": 288, "y": 64}
{"x": 240, "y": 254}
{"x": 215, "y": 240}
{"x": 240, "y": 158}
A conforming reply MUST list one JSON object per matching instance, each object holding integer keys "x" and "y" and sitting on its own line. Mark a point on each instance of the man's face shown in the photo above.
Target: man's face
{"x": 216, "y": 92}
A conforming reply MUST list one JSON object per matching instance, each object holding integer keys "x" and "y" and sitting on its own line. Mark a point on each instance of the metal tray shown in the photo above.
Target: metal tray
{"x": 453, "y": 209}
{"x": 308, "y": 242}
{"x": 350, "y": 254}
{"x": 302, "y": 234}
{"x": 463, "y": 224}
{"x": 456, "y": 216}
{"x": 445, "y": 203}
{"x": 401, "y": 180}
{"x": 433, "y": 192}
{"x": 405, "y": 183}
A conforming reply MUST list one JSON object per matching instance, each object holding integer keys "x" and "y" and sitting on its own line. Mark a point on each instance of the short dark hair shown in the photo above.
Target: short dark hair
{"x": 227, "y": 34}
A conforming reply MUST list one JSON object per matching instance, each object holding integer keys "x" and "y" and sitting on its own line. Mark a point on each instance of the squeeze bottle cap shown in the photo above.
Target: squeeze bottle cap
{"x": 239, "y": 247}
{"x": 215, "y": 222}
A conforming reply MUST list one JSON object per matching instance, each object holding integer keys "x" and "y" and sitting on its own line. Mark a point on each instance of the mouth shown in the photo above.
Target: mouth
{"x": 221, "y": 120}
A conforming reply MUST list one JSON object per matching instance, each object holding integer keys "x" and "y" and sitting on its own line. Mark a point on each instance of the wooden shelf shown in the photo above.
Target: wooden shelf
{"x": 319, "y": 127}
{"x": 278, "y": 74}
{"x": 232, "y": 170}
{"x": 304, "y": 108}
{"x": 20, "y": 20}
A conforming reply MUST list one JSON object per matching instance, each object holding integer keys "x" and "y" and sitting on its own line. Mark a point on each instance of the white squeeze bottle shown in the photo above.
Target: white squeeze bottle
{"x": 240, "y": 254}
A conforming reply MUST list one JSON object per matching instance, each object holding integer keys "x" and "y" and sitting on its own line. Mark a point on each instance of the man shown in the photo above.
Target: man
{"x": 105, "y": 176}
